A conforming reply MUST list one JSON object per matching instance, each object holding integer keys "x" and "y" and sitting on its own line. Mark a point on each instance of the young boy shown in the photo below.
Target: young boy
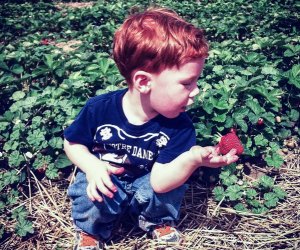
{"x": 135, "y": 147}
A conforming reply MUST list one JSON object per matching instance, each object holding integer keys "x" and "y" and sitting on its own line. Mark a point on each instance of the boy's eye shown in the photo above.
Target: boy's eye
{"x": 188, "y": 85}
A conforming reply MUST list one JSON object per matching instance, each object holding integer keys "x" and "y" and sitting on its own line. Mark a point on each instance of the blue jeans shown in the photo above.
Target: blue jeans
{"x": 135, "y": 197}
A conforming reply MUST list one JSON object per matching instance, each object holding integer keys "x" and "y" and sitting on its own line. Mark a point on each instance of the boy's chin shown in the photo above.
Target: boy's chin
{"x": 173, "y": 115}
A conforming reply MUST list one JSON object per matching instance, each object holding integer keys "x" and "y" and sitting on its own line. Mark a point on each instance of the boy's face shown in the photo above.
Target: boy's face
{"x": 173, "y": 89}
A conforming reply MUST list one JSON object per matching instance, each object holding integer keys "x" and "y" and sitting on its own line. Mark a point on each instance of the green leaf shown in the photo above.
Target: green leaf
{"x": 56, "y": 143}
{"x": 203, "y": 129}
{"x": 51, "y": 171}
{"x": 269, "y": 196}
{"x": 13, "y": 197}
{"x": 292, "y": 50}
{"x": 17, "y": 69}
{"x": 220, "y": 118}
{"x": 35, "y": 138}
{"x": 15, "y": 159}
{"x": 49, "y": 60}
{"x": 251, "y": 193}
{"x": 272, "y": 96}
{"x": 41, "y": 161}
{"x": 239, "y": 119}
{"x": 254, "y": 106}
{"x": 29, "y": 102}
{"x": 3, "y": 65}
{"x": 294, "y": 76}
{"x": 271, "y": 203}
{"x": 92, "y": 67}
{"x": 269, "y": 70}
{"x": 10, "y": 145}
{"x": 275, "y": 146}
{"x": 251, "y": 57}
{"x": 271, "y": 200}
{"x": 36, "y": 122}
{"x": 294, "y": 115}
{"x": 62, "y": 161}
{"x": 246, "y": 72}
{"x": 219, "y": 193}
{"x": 230, "y": 169}
{"x": 76, "y": 75}
{"x": 232, "y": 179}
{"x": 295, "y": 71}
{"x": 104, "y": 65}
{"x": 268, "y": 118}
{"x": 60, "y": 72}
{"x": 274, "y": 160}
{"x": 229, "y": 122}
{"x": 284, "y": 133}
{"x": 24, "y": 227}
{"x": 280, "y": 193}
{"x": 260, "y": 210}
{"x": 253, "y": 118}
{"x": 260, "y": 140}
{"x": 224, "y": 174}
{"x": 266, "y": 182}
{"x": 9, "y": 177}
{"x": 234, "y": 192}
{"x": 241, "y": 112}
{"x": 18, "y": 95}
{"x": 240, "y": 207}
{"x": 208, "y": 107}
{"x": 220, "y": 104}
{"x": 19, "y": 213}
{"x": 218, "y": 69}
{"x": 254, "y": 203}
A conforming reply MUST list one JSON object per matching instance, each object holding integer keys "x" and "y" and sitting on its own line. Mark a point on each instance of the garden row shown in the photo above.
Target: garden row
{"x": 53, "y": 58}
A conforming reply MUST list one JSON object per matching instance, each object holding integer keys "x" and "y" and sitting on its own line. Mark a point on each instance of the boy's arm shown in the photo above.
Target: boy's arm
{"x": 166, "y": 177}
{"x": 97, "y": 171}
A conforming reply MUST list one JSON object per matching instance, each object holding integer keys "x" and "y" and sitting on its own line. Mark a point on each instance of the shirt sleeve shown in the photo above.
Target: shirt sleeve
{"x": 82, "y": 130}
{"x": 181, "y": 141}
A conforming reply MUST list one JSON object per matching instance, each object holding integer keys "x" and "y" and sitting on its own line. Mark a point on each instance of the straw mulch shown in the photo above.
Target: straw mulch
{"x": 68, "y": 46}
{"x": 204, "y": 224}
{"x": 73, "y": 5}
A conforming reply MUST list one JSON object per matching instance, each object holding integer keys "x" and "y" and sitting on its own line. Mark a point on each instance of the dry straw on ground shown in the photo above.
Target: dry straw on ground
{"x": 74, "y": 5}
{"x": 68, "y": 46}
{"x": 203, "y": 223}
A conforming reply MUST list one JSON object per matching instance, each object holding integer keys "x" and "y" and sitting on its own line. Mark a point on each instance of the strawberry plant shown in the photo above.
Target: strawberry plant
{"x": 258, "y": 196}
{"x": 53, "y": 59}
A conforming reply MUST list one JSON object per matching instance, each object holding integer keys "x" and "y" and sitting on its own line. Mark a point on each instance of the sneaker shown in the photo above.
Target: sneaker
{"x": 84, "y": 241}
{"x": 167, "y": 234}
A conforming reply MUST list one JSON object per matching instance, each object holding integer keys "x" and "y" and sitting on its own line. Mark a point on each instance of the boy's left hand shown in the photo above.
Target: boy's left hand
{"x": 210, "y": 156}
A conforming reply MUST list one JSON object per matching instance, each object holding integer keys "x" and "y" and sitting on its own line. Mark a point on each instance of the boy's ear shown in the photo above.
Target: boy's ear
{"x": 142, "y": 81}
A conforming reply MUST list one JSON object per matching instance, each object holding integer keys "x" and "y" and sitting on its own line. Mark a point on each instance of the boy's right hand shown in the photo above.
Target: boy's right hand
{"x": 99, "y": 181}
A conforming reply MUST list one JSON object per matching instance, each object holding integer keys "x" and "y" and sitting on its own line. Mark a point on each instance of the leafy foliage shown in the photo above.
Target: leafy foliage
{"x": 52, "y": 60}
{"x": 255, "y": 197}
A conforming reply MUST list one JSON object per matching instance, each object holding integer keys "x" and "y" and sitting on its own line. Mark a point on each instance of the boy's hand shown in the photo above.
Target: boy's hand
{"x": 99, "y": 181}
{"x": 210, "y": 156}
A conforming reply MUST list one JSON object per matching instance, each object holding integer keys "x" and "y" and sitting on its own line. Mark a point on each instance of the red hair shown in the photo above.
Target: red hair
{"x": 155, "y": 40}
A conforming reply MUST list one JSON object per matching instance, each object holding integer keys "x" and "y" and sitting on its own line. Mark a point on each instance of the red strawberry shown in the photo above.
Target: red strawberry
{"x": 230, "y": 141}
{"x": 260, "y": 121}
{"x": 45, "y": 42}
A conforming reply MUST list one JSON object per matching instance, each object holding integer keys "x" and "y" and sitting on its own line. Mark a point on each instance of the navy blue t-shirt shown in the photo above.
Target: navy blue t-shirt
{"x": 104, "y": 129}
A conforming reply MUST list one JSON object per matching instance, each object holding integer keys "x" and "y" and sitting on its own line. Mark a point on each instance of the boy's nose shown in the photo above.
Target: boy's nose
{"x": 195, "y": 91}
